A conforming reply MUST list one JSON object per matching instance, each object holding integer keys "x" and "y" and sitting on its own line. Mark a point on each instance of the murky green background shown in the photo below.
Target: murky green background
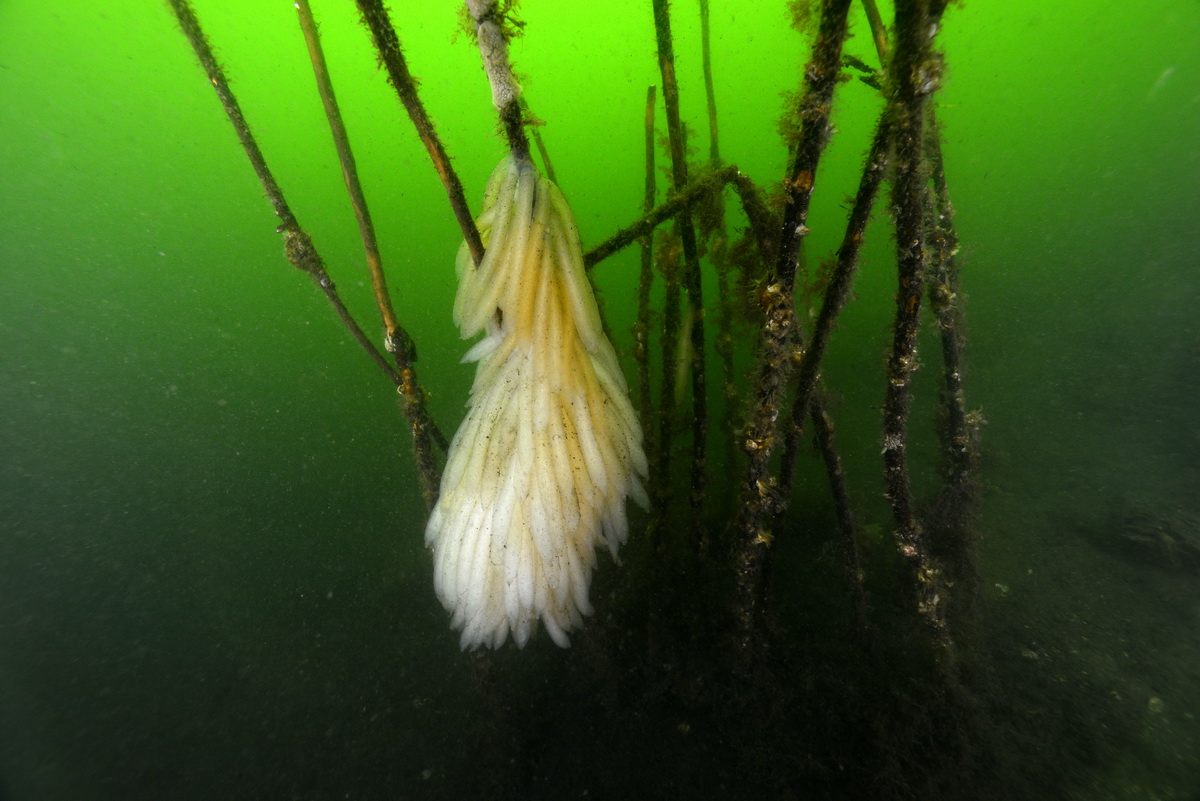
{"x": 212, "y": 577}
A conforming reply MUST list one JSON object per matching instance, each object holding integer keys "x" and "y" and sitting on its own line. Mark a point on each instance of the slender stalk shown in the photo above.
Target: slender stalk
{"x": 878, "y": 32}
{"x": 691, "y": 272}
{"x": 341, "y": 140}
{"x": 959, "y": 435}
{"x": 397, "y": 340}
{"x": 826, "y": 444}
{"x": 716, "y": 241}
{"x": 912, "y": 82}
{"x": 778, "y": 336}
{"x": 233, "y": 110}
{"x": 298, "y": 245}
{"x": 837, "y": 292}
{"x": 668, "y": 264}
{"x": 679, "y": 202}
{"x": 714, "y": 145}
{"x": 950, "y": 518}
{"x": 387, "y": 45}
{"x": 641, "y": 329}
{"x": 534, "y": 132}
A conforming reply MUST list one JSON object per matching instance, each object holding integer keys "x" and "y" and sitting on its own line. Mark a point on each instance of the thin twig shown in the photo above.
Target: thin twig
{"x": 535, "y": 131}
{"x": 641, "y": 329}
{"x": 668, "y": 264}
{"x": 387, "y": 44}
{"x": 824, "y": 432}
{"x": 298, "y": 245}
{"x": 397, "y": 341}
{"x": 778, "y": 338}
{"x": 951, "y": 517}
{"x": 679, "y": 201}
{"x": 714, "y": 146}
{"x": 341, "y": 141}
{"x": 691, "y": 272}
{"x": 715, "y": 238}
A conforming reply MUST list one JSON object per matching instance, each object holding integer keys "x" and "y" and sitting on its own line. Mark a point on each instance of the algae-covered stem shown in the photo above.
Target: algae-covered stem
{"x": 691, "y": 277}
{"x": 710, "y": 95}
{"x": 716, "y": 238}
{"x": 837, "y": 292}
{"x": 387, "y": 44}
{"x": 825, "y": 435}
{"x": 641, "y": 330}
{"x": 398, "y": 342}
{"x": 946, "y": 300}
{"x": 915, "y": 73}
{"x": 753, "y": 207}
{"x": 778, "y": 335}
{"x": 679, "y": 202}
{"x": 956, "y": 505}
{"x": 506, "y": 92}
{"x": 299, "y": 248}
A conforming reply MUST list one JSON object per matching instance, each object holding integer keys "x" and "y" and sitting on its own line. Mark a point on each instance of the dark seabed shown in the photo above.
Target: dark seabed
{"x": 213, "y": 581}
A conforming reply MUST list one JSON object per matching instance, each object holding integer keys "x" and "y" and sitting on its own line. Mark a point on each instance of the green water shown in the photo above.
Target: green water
{"x": 212, "y": 576}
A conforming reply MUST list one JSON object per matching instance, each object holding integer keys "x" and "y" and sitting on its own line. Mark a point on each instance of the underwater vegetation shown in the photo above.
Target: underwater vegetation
{"x": 883, "y": 690}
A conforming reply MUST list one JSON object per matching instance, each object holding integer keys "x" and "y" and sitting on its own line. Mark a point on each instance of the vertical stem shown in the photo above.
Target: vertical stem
{"x": 714, "y": 146}
{"x": 778, "y": 336}
{"x": 387, "y": 45}
{"x": 668, "y": 263}
{"x": 913, "y": 79}
{"x": 958, "y": 438}
{"x": 641, "y": 330}
{"x": 691, "y": 276}
{"x": 951, "y": 517}
{"x": 824, "y": 431}
{"x": 717, "y": 245}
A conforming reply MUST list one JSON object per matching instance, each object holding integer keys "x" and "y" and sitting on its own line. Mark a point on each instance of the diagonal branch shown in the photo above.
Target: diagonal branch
{"x": 387, "y": 44}
{"x": 298, "y": 245}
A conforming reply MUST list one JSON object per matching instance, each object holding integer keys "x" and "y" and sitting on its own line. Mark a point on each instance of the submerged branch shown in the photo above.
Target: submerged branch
{"x": 534, "y": 124}
{"x": 679, "y": 202}
{"x": 714, "y": 236}
{"x": 691, "y": 259}
{"x": 912, "y": 82}
{"x": 397, "y": 340}
{"x": 837, "y": 292}
{"x": 824, "y": 431}
{"x": 945, "y": 298}
{"x": 778, "y": 335}
{"x": 641, "y": 329}
{"x": 878, "y": 31}
{"x": 387, "y": 44}
{"x": 298, "y": 245}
